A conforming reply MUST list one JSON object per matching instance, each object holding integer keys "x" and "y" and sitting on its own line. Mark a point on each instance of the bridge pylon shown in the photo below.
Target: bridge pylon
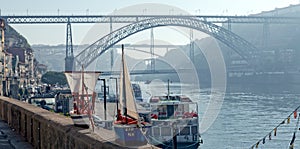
{"x": 152, "y": 64}
{"x": 192, "y": 49}
{"x": 112, "y": 59}
{"x": 69, "y": 60}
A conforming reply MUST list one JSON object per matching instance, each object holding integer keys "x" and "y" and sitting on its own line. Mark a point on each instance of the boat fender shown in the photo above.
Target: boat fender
{"x": 154, "y": 116}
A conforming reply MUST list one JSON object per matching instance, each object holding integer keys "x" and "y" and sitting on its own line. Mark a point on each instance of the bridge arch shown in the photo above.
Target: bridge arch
{"x": 238, "y": 44}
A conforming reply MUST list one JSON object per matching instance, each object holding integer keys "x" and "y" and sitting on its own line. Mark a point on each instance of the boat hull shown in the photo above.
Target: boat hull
{"x": 183, "y": 145}
{"x": 130, "y": 135}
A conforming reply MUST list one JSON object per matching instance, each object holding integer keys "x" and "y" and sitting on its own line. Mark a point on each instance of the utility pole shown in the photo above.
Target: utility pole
{"x": 168, "y": 97}
{"x": 104, "y": 94}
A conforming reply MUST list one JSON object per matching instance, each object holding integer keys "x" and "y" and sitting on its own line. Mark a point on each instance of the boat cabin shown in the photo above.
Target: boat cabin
{"x": 174, "y": 116}
{"x": 168, "y": 107}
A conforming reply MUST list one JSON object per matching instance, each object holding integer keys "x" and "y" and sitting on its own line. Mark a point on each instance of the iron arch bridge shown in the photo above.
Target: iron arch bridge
{"x": 235, "y": 42}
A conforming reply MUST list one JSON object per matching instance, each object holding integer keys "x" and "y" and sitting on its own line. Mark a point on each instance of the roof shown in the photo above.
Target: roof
{"x": 171, "y": 98}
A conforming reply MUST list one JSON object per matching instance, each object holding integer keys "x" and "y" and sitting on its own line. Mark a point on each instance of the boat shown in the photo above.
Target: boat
{"x": 82, "y": 85}
{"x": 175, "y": 122}
{"x": 130, "y": 128}
{"x": 137, "y": 92}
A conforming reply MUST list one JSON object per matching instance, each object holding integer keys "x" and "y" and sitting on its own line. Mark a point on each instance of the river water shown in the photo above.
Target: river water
{"x": 245, "y": 118}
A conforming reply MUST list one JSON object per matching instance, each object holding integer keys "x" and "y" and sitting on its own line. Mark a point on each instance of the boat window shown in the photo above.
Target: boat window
{"x": 162, "y": 98}
{"x": 166, "y": 131}
{"x": 194, "y": 130}
{"x": 156, "y": 131}
{"x": 162, "y": 111}
{"x": 178, "y": 110}
{"x": 186, "y": 108}
{"x": 184, "y": 131}
{"x": 172, "y": 98}
{"x": 170, "y": 110}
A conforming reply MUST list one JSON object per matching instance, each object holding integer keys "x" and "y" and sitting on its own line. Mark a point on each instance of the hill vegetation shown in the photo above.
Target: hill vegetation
{"x": 52, "y": 77}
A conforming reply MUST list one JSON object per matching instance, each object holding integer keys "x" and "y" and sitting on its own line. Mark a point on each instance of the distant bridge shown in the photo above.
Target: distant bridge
{"x": 238, "y": 44}
{"x": 37, "y": 19}
{"x": 207, "y": 22}
{"x": 143, "y": 72}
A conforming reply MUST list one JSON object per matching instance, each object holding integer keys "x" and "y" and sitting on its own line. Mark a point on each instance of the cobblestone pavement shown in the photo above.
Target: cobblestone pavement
{"x": 9, "y": 139}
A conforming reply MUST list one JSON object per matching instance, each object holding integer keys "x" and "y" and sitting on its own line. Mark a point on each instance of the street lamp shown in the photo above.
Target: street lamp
{"x": 117, "y": 99}
{"x": 104, "y": 94}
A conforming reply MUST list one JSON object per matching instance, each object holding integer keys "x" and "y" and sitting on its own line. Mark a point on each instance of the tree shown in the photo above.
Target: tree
{"x": 53, "y": 77}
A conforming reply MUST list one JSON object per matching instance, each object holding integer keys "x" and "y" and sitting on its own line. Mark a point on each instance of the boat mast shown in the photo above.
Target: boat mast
{"x": 168, "y": 94}
{"x": 124, "y": 87}
{"x": 82, "y": 88}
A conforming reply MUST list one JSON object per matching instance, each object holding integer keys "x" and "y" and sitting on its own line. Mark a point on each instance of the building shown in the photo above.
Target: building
{"x": 19, "y": 67}
{"x": 63, "y": 102}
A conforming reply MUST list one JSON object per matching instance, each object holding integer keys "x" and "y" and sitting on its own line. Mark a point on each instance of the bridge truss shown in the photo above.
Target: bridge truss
{"x": 241, "y": 46}
{"x": 135, "y": 18}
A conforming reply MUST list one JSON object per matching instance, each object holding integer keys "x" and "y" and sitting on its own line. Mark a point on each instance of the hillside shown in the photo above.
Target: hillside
{"x": 13, "y": 39}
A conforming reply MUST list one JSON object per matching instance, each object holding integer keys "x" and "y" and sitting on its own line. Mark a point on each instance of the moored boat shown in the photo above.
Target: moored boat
{"x": 129, "y": 127}
{"x": 175, "y": 122}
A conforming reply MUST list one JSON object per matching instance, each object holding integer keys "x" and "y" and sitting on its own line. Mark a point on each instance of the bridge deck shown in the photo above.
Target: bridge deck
{"x": 21, "y": 19}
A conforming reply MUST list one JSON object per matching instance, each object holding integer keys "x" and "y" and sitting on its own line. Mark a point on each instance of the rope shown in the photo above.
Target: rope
{"x": 294, "y": 134}
{"x": 275, "y": 129}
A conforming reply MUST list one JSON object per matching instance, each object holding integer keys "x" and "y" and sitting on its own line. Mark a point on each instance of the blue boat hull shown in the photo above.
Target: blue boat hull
{"x": 129, "y": 135}
{"x": 169, "y": 145}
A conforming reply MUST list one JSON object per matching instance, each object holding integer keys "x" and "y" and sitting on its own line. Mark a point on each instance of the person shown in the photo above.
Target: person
{"x": 119, "y": 115}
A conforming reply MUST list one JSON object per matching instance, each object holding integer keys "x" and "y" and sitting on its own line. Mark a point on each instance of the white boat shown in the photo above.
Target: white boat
{"x": 175, "y": 122}
{"x": 129, "y": 127}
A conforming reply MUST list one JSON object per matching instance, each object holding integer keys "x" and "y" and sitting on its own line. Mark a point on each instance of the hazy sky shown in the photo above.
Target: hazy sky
{"x": 40, "y": 33}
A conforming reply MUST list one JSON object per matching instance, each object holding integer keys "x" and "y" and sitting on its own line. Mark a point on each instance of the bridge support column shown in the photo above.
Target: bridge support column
{"x": 152, "y": 64}
{"x": 111, "y": 50}
{"x": 229, "y": 25}
{"x": 192, "y": 52}
{"x": 69, "y": 60}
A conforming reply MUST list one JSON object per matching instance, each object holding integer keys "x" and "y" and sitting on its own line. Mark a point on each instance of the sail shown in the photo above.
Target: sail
{"x": 126, "y": 93}
{"x": 78, "y": 80}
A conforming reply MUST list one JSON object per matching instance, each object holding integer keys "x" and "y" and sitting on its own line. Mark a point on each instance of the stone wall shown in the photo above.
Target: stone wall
{"x": 48, "y": 130}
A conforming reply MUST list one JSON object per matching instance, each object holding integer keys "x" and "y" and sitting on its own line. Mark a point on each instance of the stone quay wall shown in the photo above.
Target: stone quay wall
{"x": 48, "y": 130}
